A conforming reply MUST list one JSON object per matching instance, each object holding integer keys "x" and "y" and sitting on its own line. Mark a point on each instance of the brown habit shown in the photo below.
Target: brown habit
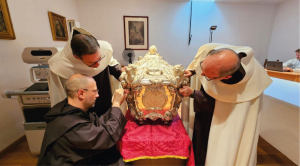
{"x": 74, "y": 137}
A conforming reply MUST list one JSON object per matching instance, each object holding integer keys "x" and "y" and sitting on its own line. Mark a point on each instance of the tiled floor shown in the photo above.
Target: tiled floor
{"x": 267, "y": 156}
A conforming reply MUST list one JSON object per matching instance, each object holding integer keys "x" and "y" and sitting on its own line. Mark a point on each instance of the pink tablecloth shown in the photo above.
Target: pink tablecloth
{"x": 155, "y": 140}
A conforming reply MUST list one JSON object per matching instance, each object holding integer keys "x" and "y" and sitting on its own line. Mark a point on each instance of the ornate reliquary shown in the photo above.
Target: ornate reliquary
{"x": 153, "y": 87}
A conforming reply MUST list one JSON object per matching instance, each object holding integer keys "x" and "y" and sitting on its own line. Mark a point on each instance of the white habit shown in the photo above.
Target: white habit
{"x": 63, "y": 65}
{"x": 235, "y": 124}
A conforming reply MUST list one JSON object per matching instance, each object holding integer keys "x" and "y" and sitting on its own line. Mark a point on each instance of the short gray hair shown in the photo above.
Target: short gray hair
{"x": 74, "y": 84}
{"x": 225, "y": 71}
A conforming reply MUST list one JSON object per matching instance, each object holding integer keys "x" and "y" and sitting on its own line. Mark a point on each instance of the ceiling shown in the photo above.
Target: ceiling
{"x": 242, "y": 1}
{"x": 252, "y": 1}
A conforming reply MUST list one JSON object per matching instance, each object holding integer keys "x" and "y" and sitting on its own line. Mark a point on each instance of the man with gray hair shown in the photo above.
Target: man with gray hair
{"x": 76, "y": 136}
{"x": 227, "y": 106}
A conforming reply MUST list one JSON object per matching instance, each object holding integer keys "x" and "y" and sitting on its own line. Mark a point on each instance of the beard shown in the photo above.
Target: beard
{"x": 89, "y": 104}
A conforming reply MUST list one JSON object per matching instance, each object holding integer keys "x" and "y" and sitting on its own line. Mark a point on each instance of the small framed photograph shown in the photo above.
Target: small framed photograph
{"x": 58, "y": 27}
{"x": 136, "y": 32}
{"x": 6, "y": 26}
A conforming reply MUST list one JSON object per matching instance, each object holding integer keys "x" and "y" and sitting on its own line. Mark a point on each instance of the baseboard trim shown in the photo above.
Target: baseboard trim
{"x": 12, "y": 146}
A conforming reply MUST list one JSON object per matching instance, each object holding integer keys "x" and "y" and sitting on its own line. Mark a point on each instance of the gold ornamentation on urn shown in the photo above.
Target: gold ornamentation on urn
{"x": 153, "y": 87}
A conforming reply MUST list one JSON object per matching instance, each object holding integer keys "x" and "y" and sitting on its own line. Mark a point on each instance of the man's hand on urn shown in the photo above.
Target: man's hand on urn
{"x": 186, "y": 91}
{"x": 123, "y": 69}
{"x": 119, "y": 96}
{"x": 188, "y": 73}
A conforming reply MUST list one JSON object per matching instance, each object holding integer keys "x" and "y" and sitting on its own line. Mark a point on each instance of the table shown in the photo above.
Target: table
{"x": 156, "y": 143}
{"x": 291, "y": 76}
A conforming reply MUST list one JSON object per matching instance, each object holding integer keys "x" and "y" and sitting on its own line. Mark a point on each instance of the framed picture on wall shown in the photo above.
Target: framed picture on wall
{"x": 6, "y": 27}
{"x": 136, "y": 32}
{"x": 58, "y": 27}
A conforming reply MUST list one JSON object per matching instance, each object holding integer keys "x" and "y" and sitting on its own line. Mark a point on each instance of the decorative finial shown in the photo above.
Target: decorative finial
{"x": 152, "y": 50}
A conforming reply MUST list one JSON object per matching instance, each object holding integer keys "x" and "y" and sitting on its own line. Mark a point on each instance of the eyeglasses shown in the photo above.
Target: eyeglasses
{"x": 97, "y": 61}
{"x": 93, "y": 90}
{"x": 208, "y": 79}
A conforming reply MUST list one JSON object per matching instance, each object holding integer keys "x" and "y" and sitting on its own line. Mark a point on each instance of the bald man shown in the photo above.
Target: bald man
{"x": 75, "y": 136}
{"x": 227, "y": 108}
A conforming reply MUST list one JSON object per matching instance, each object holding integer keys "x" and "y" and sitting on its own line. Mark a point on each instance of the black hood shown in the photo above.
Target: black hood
{"x": 62, "y": 109}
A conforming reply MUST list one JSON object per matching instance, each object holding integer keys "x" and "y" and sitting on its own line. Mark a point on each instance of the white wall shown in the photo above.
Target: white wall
{"x": 285, "y": 35}
{"x": 238, "y": 24}
{"x": 168, "y": 24}
{"x": 32, "y": 28}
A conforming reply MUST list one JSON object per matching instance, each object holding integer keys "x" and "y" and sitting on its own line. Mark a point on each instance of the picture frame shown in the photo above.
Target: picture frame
{"x": 6, "y": 26}
{"x": 136, "y": 32}
{"x": 58, "y": 27}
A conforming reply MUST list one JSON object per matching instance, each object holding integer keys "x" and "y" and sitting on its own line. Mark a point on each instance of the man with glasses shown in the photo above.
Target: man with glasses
{"x": 84, "y": 54}
{"x": 227, "y": 112}
{"x": 76, "y": 136}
